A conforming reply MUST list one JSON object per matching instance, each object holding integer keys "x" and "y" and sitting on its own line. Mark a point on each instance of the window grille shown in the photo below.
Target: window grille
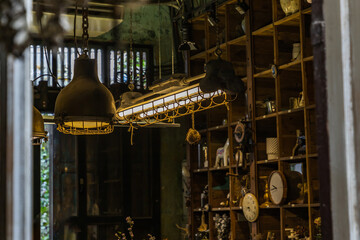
{"x": 125, "y": 66}
{"x": 121, "y": 66}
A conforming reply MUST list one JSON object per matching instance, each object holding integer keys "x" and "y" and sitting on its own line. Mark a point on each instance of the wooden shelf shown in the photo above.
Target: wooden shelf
{"x": 201, "y": 170}
{"x": 241, "y": 41}
{"x": 308, "y": 59}
{"x": 267, "y": 116}
{"x": 311, "y": 107}
{"x": 200, "y": 55}
{"x": 293, "y": 158}
{"x": 267, "y": 30}
{"x": 264, "y": 74}
{"x": 291, "y": 66}
{"x": 306, "y": 11}
{"x": 219, "y": 169}
{"x": 267, "y": 161}
{"x": 271, "y": 43}
{"x": 291, "y": 20}
{"x": 220, "y": 209}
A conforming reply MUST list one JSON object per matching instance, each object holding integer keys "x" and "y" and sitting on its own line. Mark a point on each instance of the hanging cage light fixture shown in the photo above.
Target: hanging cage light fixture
{"x": 38, "y": 130}
{"x": 85, "y": 106}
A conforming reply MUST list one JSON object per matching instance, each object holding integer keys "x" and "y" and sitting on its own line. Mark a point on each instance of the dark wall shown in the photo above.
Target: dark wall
{"x": 118, "y": 180}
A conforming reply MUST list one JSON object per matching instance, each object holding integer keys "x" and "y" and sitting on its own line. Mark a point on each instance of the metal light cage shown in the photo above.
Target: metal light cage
{"x": 167, "y": 107}
{"x": 85, "y": 126}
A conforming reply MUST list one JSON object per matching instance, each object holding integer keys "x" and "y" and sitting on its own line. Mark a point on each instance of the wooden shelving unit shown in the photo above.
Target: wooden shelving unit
{"x": 268, "y": 40}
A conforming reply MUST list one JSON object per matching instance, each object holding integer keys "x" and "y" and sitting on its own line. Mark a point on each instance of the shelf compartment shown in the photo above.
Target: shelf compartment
{"x": 290, "y": 87}
{"x": 288, "y": 126}
{"x": 294, "y": 217}
{"x": 296, "y": 178}
{"x": 269, "y": 221}
{"x": 264, "y": 91}
{"x": 263, "y": 55}
{"x": 201, "y": 181}
{"x": 234, "y": 27}
{"x": 264, "y": 129}
{"x": 240, "y": 228}
{"x": 261, "y": 13}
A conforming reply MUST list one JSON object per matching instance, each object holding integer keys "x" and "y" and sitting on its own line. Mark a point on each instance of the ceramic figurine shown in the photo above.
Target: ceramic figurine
{"x": 226, "y": 153}
{"x": 219, "y": 156}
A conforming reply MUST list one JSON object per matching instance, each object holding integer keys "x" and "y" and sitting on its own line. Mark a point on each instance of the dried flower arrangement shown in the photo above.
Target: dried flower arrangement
{"x": 222, "y": 225}
{"x": 130, "y": 222}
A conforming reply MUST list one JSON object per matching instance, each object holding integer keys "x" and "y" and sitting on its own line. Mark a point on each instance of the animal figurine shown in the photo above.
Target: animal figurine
{"x": 223, "y": 154}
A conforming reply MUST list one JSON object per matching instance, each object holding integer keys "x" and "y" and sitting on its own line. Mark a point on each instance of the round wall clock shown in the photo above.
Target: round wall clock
{"x": 250, "y": 207}
{"x": 278, "y": 188}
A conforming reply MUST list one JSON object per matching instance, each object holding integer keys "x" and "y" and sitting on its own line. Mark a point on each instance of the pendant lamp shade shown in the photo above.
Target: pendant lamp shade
{"x": 85, "y": 106}
{"x": 38, "y": 125}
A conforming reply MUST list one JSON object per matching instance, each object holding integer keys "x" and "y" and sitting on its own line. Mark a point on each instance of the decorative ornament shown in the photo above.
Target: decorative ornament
{"x": 193, "y": 136}
{"x": 274, "y": 71}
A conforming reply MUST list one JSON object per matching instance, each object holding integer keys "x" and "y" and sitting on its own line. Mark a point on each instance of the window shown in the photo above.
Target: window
{"x": 113, "y": 65}
{"x": 123, "y": 66}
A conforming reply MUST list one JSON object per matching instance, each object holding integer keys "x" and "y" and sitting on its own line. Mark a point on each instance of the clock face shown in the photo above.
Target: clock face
{"x": 277, "y": 185}
{"x": 250, "y": 207}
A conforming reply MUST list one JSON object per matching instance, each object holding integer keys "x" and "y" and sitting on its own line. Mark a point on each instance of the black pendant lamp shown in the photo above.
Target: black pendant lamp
{"x": 85, "y": 106}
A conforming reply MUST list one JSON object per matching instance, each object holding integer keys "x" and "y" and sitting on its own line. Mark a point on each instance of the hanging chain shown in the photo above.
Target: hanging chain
{"x": 218, "y": 50}
{"x": 85, "y": 26}
{"x": 132, "y": 74}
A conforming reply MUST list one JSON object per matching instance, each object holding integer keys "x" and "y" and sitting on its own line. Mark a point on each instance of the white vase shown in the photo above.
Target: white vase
{"x": 289, "y": 6}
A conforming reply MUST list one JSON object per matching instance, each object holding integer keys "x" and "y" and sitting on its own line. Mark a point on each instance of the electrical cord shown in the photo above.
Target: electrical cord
{"x": 47, "y": 60}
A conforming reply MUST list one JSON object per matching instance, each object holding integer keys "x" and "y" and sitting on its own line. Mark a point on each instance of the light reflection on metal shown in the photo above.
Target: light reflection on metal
{"x": 170, "y": 106}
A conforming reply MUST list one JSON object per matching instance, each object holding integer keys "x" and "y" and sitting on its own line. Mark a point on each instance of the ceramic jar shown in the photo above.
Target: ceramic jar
{"x": 289, "y": 6}
{"x": 296, "y": 51}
